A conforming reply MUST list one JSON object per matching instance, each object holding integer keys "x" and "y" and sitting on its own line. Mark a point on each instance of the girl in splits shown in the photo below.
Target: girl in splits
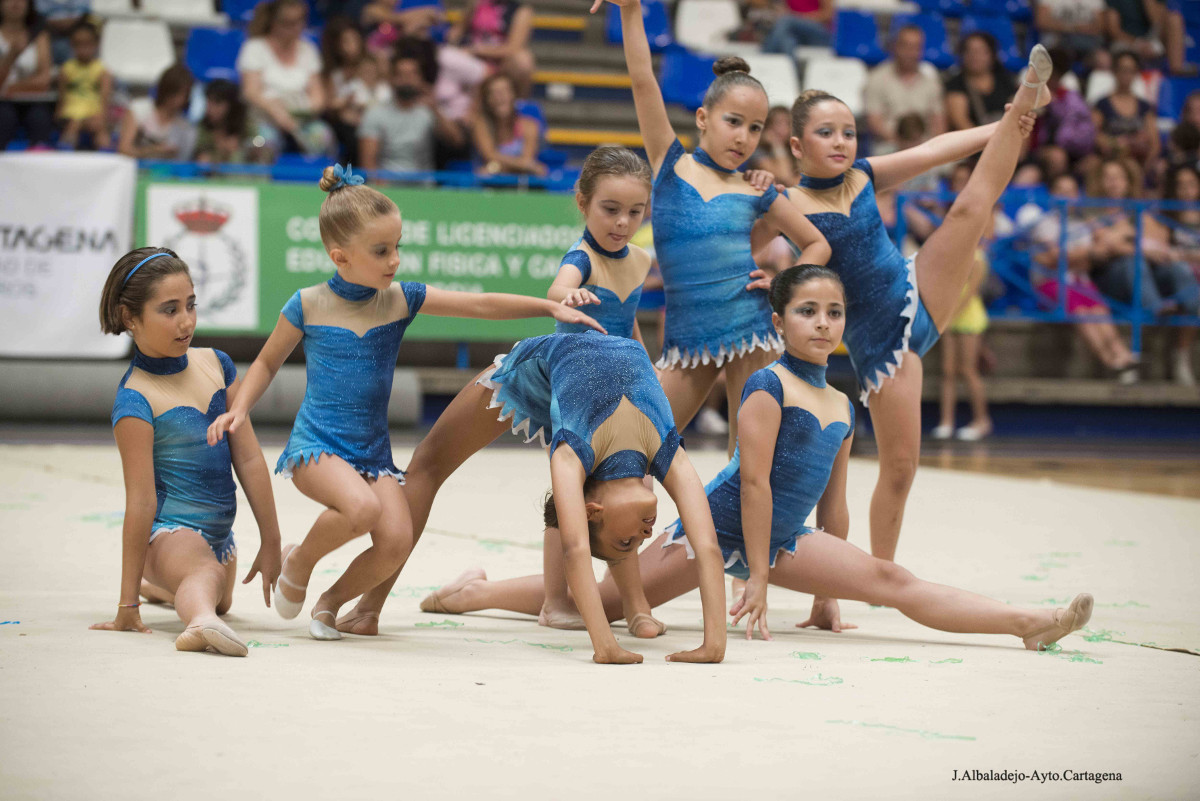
{"x": 339, "y": 453}
{"x": 180, "y": 501}
{"x": 717, "y": 312}
{"x": 792, "y": 456}
{"x": 897, "y": 306}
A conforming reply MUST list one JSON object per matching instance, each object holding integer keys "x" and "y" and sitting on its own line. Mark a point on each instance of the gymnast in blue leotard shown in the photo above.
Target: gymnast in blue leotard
{"x": 599, "y": 405}
{"x": 704, "y": 209}
{"x": 180, "y": 499}
{"x": 898, "y": 306}
{"x": 792, "y": 458}
{"x": 603, "y": 272}
{"x": 339, "y": 453}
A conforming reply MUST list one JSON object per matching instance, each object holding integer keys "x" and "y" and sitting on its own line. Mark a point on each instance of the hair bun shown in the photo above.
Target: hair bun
{"x": 730, "y": 64}
{"x": 329, "y": 178}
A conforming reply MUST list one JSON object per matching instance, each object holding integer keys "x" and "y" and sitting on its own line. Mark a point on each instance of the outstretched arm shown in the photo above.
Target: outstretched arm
{"x": 500, "y": 306}
{"x": 283, "y": 341}
{"x": 758, "y": 429}
{"x": 657, "y": 133}
{"x": 686, "y": 489}
{"x": 566, "y": 478}
{"x": 252, "y": 474}
{"x": 568, "y": 288}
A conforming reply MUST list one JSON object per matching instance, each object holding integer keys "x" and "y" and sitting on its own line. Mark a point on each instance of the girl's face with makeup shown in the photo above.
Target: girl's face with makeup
{"x": 730, "y": 130}
{"x": 828, "y": 144}
{"x": 165, "y": 325}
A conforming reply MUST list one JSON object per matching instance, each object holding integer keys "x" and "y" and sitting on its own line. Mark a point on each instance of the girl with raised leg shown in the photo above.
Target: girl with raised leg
{"x": 716, "y": 310}
{"x": 792, "y": 457}
{"x": 898, "y": 307}
{"x": 339, "y": 453}
{"x": 180, "y": 502}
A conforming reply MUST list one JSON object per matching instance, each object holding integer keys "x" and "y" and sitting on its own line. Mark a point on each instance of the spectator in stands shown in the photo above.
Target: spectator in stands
{"x": 351, "y": 82}
{"x": 159, "y": 129}
{"x": 899, "y": 87}
{"x": 26, "y": 97}
{"x": 84, "y": 90}
{"x": 498, "y": 31}
{"x": 281, "y": 80}
{"x": 1126, "y": 125}
{"x": 1083, "y": 299}
{"x": 1184, "y": 144}
{"x": 400, "y": 135}
{"x": 803, "y": 23}
{"x": 978, "y": 91}
{"x": 61, "y": 17}
{"x": 224, "y": 135}
{"x": 506, "y": 140}
{"x": 454, "y": 75}
{"x": 1066, "y": 128}
{"x": 1139, "y": 24}
{"x": 1076, "y": 25}
{"x": 392, "y": 19}
{"x": 1174, "y": 238}
{"x": 774, "y": 152}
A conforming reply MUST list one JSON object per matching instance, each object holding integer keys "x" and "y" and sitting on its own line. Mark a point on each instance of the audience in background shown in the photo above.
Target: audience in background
{"x": 1184, "y": 143}
{"x": 899, "y": 87}
{"x": 774, "y": 152}
{"x": 1075, "y": 25}
{"x": 506, "y": 140}
{"x": 1065, "y": 128}
{"x": 280, "y": 72}
{"x": 454, "y": 75}
{"x": 978, "y": 91}
{"x": 1138, "y": 24}
{"x": 352, "y": 82}
{"x": 84, "y": 92}
{"x": 159, "y": 128}
{"x": 61, "y": 17}
{"x": 1126, "y": 125}
{"x": 224, "y": 135}
{"x": 26, "y": 93}
{"x": 499, "y": 31}
{"x": 400, "y": 135}
{"x": 800, "y": 23}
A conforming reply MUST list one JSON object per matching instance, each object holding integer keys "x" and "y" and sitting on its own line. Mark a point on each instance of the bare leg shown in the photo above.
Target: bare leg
{"x": 947, "y": 257}
{"x": 949, "y": 380}
{"x": 828, "y": 566}
{"x": 181, "y": 563}
{"x": 896, "y": 414}
{"x": 686, "y": 391}
{"x": 155, "y": 594}
{"x": 981, "y": 421}
{"x": 737, "y": 373}
{"x": 558, "y": 610}
{"x": 465, "y": 428}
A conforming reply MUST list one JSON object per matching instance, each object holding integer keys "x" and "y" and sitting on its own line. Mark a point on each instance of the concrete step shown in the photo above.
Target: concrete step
{"x": 608, "y": 114}
{"x": 594, "y": 137}
{"x": 570, "y": 55}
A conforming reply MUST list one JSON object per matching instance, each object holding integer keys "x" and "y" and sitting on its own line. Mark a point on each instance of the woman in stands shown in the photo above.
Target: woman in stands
{"x": 897, "y": 307}
{"x": 717, "y": 313}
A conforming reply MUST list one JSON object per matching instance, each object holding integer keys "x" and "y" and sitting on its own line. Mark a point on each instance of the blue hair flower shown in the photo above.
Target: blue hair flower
{"x": 346, "y": 177}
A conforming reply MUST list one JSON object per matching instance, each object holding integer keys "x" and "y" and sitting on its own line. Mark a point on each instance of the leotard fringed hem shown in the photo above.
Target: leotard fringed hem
{"x": 289, "y": 460}
{"x": 873, "y": 377}
{"x": 521, "y": 420}
{"x": 223, "y": 548}
{"x": 716, "y": 352}
{"x": 735, "y": 560}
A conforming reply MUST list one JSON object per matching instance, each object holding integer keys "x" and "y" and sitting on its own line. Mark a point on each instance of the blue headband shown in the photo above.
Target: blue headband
{"x": 140, "y": 263}
{"x": 346, "y": 177}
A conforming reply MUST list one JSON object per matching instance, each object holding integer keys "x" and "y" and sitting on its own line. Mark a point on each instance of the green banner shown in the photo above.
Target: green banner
{"x": 251, "y": 245}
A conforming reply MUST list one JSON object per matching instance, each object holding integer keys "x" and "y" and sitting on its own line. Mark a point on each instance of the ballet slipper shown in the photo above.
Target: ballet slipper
{"x": 1040, "y": 66}
{"x": 436, "y": 600}
{"x": 222, "y": 639}
{"x": 348, "y": 623}
{"x": 286, "y": 607}
{"x": 1073, "y": 618}
{"x": 641, "y": 617}
{"x": 322, "y": 631}
{"x": 558, "y": 619}
{"x": 191, "y": 639}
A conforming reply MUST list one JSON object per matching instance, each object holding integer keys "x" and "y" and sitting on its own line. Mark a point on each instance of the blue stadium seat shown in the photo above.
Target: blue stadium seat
{"x": 531, "y": 108}
{"x": 855, "y": 36}
{"x": 212, "y": 53}
{"x": 1191, "y": 13}
{"x": 654, "y": 17}
{"x": 239, "y": 10}
{"x": 1012, "y": 56}
{"x": 1014, "y": 10}
{"x": 937, "y": 45}
{"x": 1172, "y": 93}
{"x": 684, "y": 77}
{"x": 947, "y": 8}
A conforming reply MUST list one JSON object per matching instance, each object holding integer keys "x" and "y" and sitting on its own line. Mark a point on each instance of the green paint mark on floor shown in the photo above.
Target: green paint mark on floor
{"x": 13, "y": 507}
{"x": 1048, "y": 565}
{"x": 109, "y": 519}
{"x": 1125, "y": 605}
{"x": 892, "y": 659}
{"x": 1103, "y": 635}
{"x": 561, "y": 648}
{"x": 1076, "y": 656}
{"x": 1121, "y": 543}
{"x": 1054, "y": 602}
{"x": 257, "y": 644}
{"x": 928, "y": 735}
{"x": 951, "y": 661}
{"x": 1032, "y": 577}
{"x": 818, "y": 681}
{"x": 493, "y": 545}
{"x": 806, "y": 655}
{"x": 440, "y": 624}
{"x": 411, "y": 592}
{"x": 1064, "y": 554}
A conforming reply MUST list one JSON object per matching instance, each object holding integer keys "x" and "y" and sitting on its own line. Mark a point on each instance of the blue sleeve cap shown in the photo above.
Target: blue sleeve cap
{"x": 765, "y": 380}
{"x": 865, "y": 166}
{"x": 580, "y": 260}
{"x": 768, "y": 197}
{"x": 850, "y": 433}
{"x": 293, "y": 310}
{"x": 130, "y": 403}
{"x": 226, "y": 366}
{"x": 414, "y": 294}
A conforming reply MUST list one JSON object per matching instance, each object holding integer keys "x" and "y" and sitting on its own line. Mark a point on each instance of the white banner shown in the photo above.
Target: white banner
{"x": 214, "y": 230}
{"x": 65, "y": 219}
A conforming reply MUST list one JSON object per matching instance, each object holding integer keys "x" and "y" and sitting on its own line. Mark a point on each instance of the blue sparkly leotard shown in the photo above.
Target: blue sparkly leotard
{"x": 805, "y": 449}
{"x": 352, "y": 335}
{"x": 702, "y": 238}
{"x": 884, "y": 313}
{"x": 609, "y": 275}
{"x": 180, "y": 398}
{"x": 596, "y": 393}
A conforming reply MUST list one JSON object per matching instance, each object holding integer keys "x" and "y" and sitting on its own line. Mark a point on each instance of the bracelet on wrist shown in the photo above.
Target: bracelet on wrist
{"x": 129, "y": 606}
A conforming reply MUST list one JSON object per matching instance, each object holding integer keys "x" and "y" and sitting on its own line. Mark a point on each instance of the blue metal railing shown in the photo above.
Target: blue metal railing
{"x": 1008, "y": 265}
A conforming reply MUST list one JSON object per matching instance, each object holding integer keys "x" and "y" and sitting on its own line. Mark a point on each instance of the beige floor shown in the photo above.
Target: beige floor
{"x": 491, "y": 706}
